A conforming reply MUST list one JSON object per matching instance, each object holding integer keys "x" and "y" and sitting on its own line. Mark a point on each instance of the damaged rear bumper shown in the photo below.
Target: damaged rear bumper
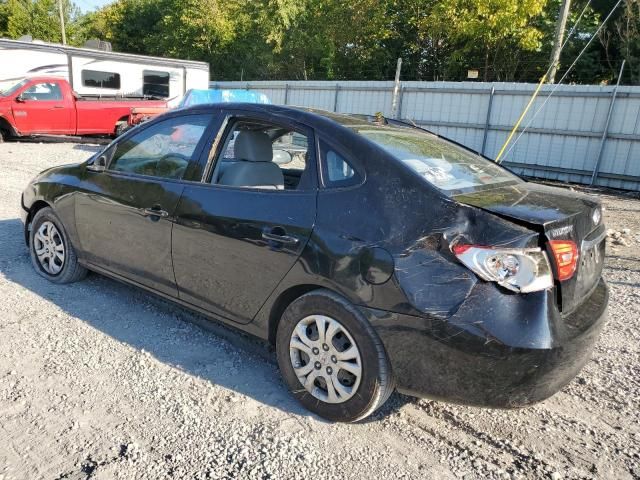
{"x": 498, "y": 350}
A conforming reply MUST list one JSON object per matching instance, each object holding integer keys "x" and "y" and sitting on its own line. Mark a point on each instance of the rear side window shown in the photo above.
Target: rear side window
{"x": 96, "y": 79}
{"x": 155, "y": 83}
{"x": 337, "y": 171}
{"x": 161, "y": 150}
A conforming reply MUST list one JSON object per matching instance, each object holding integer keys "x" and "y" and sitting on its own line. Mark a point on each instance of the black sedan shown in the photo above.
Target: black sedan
{"x": 373, "y": 254}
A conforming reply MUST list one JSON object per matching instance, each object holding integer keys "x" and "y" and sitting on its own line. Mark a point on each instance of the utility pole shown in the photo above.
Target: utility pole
{"x": 559, "y": 38}
{"x": 64, "y": 34}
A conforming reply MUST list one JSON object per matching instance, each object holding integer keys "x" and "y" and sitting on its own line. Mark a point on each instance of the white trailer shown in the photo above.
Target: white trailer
{"x": 101, "y": 73}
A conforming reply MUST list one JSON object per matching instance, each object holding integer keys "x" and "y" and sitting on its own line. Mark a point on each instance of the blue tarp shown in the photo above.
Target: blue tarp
{"x": 199, "y": 97}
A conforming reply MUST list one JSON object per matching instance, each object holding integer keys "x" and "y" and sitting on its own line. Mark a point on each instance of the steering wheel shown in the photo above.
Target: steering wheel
{"x": 176, "y": 162}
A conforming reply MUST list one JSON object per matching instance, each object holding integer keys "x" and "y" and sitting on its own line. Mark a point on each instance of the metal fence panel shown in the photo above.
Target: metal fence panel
{"x": 562, "y": 142}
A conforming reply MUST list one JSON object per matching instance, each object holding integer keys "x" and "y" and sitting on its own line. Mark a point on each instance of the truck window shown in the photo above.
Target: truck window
{"x": 46, "y": 91}
{"x": 96, "y": 79}
{"x": 155, "y": 83}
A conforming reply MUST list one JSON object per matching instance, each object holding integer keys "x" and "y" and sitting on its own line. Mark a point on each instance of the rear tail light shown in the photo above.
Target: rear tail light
{"x": 517, "y": 269}
{"x": 565, "y": 254}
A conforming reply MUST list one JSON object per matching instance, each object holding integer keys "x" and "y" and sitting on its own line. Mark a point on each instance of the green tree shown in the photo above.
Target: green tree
{"x": 508, "y": 40}
{"x": 38, "y": 18}
{"x": 489, "y": 27}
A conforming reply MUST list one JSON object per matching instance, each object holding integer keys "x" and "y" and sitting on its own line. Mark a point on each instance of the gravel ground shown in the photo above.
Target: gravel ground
{"x": 102, "y": 381}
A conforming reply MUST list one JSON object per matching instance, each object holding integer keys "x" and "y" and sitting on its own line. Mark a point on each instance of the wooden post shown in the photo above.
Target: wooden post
{"x": 64, "y": 33}
{"x": 396, "y": 91}
{"x": 561, "y": 24}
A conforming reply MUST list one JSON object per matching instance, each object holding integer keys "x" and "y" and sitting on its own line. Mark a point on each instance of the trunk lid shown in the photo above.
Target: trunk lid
{"x": 557, "y": 214}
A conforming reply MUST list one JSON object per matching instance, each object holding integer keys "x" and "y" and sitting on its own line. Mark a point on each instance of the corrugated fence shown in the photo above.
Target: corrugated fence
{"x": 565, "y": 142}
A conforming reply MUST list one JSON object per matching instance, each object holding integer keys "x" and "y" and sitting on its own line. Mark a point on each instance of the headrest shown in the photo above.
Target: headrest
{"x": 253, "y": 147}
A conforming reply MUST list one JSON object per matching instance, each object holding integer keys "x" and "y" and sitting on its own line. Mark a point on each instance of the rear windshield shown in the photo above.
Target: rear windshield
{"x": 450, "y": 168}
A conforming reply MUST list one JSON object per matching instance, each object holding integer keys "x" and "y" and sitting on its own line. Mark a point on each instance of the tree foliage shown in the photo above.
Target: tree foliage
{"x": 506, "y": 40}
{"x": 38, "y": 18}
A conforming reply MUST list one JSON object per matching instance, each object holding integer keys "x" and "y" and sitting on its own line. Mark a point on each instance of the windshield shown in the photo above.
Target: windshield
{"x": 14, "y": 89}
{"x": 450, "y": 168}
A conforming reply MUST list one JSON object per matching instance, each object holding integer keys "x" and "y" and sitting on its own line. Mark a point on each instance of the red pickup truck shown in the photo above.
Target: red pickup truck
{"x": 49, "y": 106}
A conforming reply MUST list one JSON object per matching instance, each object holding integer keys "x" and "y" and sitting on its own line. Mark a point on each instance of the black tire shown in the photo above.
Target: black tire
{"x": 3, "y": 135}
{"x": 71, "y": 270}
{"x": 121, "y": 128}
{"x": 376, "y": 382}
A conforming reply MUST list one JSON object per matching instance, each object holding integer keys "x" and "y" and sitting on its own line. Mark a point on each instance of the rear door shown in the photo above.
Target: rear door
{"x": 239, "y": 232}
{"x": 43, "y": 108}
{"x": 125, "y": 215}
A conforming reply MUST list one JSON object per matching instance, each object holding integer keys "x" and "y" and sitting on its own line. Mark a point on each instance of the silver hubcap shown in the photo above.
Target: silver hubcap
{"x": 325, "y": 359}
{"x": 49, "y": 248}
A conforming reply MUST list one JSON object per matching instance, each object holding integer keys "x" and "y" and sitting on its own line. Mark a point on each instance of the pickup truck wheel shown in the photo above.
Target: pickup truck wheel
{"x": 52, "y": 254}
{"x": 121, "y": 127}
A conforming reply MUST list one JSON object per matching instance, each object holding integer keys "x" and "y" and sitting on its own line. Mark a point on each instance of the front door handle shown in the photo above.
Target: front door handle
{"x": 279, "y": 235}
{"x": 58, "y": 106}
{"x": 155, "y": 212}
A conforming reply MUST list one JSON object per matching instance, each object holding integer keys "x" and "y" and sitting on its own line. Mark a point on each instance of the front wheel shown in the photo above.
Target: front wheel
{"x": 52, "y": 254}
{"x": 331, "y": 358}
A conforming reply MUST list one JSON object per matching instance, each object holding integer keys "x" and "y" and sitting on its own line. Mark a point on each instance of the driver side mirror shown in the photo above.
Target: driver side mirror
{"x": 99, "y": 164}
{"x": 20, "y": 99}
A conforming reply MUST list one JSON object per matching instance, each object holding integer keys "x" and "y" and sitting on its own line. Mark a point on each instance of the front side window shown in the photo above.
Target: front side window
{"x": 96, "y": 79}
{"x": 49, "y": 91}
{"x": 447, "y": 166}
{"x": 155, "y": 83}
{"x": 161, "y": 150}
{"x": 259, "y": 154}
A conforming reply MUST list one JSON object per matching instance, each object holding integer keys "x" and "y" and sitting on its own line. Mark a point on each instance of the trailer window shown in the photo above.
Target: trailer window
{"x": 155, "y": 83}
{"x": 96, "y": 79}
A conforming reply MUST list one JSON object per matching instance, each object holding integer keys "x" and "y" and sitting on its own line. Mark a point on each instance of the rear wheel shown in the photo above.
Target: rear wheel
{"x": 331, "y": 358}
{"x": 121, "y": 128}
{"x": 52, "y": 254}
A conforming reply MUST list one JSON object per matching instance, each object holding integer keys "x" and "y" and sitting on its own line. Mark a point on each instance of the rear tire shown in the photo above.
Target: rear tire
{"x": 52, "y": 254}
{"x": 345, "y": 368}
{"x": 121, "y": 128}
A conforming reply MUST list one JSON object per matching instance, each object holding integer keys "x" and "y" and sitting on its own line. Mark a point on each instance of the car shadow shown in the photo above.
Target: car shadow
{"x": 171, "y": 334}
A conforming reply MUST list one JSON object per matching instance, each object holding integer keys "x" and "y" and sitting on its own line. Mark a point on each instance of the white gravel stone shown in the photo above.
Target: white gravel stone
{"x": 152, "y": 396}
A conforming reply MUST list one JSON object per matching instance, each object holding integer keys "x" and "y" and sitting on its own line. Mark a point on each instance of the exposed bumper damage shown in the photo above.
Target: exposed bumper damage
{"x": 496, "y": 350}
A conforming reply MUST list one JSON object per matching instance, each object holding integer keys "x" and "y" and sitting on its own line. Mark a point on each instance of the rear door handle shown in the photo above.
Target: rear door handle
{"x": 279, "y": 235}
{"x": 155, "y": 212}
{"x": 58, "y": 106}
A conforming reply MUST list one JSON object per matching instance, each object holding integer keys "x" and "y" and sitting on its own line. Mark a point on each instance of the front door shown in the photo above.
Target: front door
{"x": 42, "y": 108}
{"x": 237, "y": 235}
{"x": 125, "y": 214}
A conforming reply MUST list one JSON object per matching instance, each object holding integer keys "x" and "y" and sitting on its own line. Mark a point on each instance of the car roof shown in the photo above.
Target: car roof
{"x": 310, "y": 116}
